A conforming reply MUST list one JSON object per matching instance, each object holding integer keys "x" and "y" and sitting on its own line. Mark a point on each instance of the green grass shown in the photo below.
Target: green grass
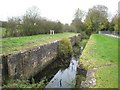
{"x": 15, "y": 44}
{"x": 101, "y": 52}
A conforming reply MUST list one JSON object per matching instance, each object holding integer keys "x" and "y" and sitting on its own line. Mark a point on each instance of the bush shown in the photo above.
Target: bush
{"x": 65, "y": 49}
{"x": 83, "y": 43}
{"x": 84, "y": 35}
{"x": 77, "y": 41}
{"x": 23, "y": 84}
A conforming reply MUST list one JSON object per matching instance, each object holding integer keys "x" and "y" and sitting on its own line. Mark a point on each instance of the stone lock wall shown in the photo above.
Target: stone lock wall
{"x": 26, "y": 64}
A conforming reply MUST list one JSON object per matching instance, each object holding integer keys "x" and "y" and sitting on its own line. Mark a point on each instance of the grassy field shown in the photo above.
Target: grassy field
{"x": 101, "y": 52}
{"x": 15, "y": 44}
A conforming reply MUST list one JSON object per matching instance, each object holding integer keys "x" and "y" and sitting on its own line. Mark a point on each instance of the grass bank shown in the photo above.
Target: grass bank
{"x": 101, "y": 52}
{"x": 15, "y": 44}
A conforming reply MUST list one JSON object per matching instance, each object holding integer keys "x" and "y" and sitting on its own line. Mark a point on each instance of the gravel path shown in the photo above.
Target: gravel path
{"x": 112, "y": 35}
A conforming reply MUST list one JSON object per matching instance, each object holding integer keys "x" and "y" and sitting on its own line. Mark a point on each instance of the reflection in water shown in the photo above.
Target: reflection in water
{"x": 65, "y": 78}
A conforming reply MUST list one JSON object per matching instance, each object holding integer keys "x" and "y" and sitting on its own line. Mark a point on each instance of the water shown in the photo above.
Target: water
{"x": 60, "y": 74}
{"x": 65, "y": 78}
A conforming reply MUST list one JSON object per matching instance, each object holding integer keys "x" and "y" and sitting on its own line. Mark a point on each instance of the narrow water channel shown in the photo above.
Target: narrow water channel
{"x": 59, "y": 74}
{"x": 65, "y": 78}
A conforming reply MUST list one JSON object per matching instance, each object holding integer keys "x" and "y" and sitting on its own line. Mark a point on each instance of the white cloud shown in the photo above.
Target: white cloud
{"x": 62, "y": 10}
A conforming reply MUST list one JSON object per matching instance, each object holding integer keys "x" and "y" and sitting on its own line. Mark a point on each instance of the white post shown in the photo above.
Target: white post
{"x": 50, "y": 32}
{"x": 53, "y": 32}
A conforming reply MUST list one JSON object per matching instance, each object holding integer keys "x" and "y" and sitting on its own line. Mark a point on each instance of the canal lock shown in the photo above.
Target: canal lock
{"x": 54, "y": 74}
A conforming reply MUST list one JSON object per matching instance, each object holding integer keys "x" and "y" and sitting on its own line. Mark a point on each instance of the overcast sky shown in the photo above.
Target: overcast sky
{"x": 62, "y": 10}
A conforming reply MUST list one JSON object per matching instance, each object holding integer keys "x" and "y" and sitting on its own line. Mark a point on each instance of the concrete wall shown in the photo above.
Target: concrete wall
{"x": 25, "y": 64}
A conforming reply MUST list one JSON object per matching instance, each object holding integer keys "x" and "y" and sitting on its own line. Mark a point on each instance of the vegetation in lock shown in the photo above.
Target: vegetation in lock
{"x": 65, "y": 49}
{"x": 24, "y": 84}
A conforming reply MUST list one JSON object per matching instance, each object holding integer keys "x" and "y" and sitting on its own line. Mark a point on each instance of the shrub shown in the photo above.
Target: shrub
{"x": 77, "y": 41}
{"x": 84, "y": 35}
{"x": 83, "y": 43}
{"x": 65, "y": 49}
{"x": 80, "y": 43}
{"x": 23, "y": 84}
